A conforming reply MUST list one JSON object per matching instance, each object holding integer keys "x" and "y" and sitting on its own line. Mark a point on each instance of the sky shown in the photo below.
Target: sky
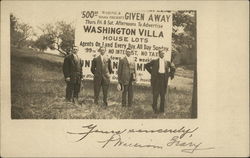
{"x": 37, "y": 14}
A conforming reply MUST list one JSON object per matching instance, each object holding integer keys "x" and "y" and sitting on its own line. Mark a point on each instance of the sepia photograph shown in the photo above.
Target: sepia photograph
{"x": 103, "y": 64}
{"x": 124, "y": 78}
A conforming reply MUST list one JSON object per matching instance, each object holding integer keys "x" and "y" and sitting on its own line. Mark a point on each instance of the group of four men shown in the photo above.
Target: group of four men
{"x": 160, "y": 71}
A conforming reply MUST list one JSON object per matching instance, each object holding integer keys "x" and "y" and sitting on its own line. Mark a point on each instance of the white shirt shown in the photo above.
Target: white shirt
{"x": 75, "y": 56}
{"x": 104, "y": 58}
{"x": 130, "y": 59}
{"x": 161, "y": 65}
{"x": 101, "y": 57}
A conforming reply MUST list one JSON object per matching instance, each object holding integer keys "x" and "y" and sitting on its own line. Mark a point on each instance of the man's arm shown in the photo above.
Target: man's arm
{"x": 81, "y": 61}
{"x": 135, "y": 72}
{"x": 149, "y": 66}
{"x": 66, "y": 67}
{"x": 172, "y": 70}
{"x": 110, "y": 67}
{"x": 93, "y": 66}
{"x": 119, "y": 72}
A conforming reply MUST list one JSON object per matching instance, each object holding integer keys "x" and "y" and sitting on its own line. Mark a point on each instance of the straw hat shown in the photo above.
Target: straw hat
{"x": 119, "y": 87}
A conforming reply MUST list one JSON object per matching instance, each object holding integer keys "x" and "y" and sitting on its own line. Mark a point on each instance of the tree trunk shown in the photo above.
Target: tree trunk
{"x": 60, "y": 51}
{"x": 194, "y": 97}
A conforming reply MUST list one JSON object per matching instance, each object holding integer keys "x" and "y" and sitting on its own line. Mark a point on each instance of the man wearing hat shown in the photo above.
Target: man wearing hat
{"x": 126, "y": 76}
{"x": 160, "y": 71}
{"x": 101, "y": 69}
{"x": 72, "y": 69}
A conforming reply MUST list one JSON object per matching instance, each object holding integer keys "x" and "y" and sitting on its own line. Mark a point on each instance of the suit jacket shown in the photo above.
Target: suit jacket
{"x": 72, "y": 68}
{"x": 153, "y": 68}
{"x": 101, "y": 70}
{"x": 125, "y": 70}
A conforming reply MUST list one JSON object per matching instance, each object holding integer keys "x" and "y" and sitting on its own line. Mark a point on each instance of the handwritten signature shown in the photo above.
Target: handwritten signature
{"x": 115, "y": 138}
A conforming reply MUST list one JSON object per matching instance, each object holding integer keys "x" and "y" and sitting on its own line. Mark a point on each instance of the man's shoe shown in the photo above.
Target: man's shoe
{"x": 161, "y": 111}
{"x": 75, "y": 101}
{"x": 105, "y": 104}
{"x": 67, "y": 100}
{"x": 95, "y": 102}
{"x": 154, "y": 109}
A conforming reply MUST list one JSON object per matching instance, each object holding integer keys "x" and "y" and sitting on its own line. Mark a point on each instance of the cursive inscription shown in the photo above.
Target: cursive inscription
{"x": 116, "y": 141}
{"x": 92, "y": 129}
{"x": 179, "y": 138}
{"x": 189, "y": 147}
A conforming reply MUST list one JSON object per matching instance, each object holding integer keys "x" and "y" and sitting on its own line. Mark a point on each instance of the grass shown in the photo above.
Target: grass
{"x": 38, "y": 91}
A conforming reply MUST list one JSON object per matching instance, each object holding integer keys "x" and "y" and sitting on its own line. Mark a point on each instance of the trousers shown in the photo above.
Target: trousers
{"x": 72, "y": 89}
{"x": 128, "y": 91}
{"x": 159, "y": 89}
{"x": 97, "y": 87}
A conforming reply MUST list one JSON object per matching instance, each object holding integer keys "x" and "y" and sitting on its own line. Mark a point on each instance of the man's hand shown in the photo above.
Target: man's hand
{"x": 67, "y": 79}
{"x": 136, "y": 80}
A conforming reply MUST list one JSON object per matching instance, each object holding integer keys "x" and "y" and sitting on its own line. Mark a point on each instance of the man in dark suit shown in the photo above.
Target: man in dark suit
{"x": 65, "y": 72}
{"x": 126, "y": 76}
{"x": 160, "y": 71}
{"x": 101, "y": 69}
{"x": 72, "y": 69}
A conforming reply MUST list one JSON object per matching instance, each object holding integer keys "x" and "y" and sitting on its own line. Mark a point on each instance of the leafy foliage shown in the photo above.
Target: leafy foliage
{"x": 19, "y": 32}
{"x": 184, "y": 36}
{"x": 60, "y": 36}
{"x": 43, "y": 42}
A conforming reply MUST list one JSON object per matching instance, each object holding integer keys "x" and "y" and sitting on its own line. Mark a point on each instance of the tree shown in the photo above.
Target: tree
{"x": 186, "y": 40}
{"x": 30, "y": 43}
{"x": 61, "y": 36}
{"x": 183, "y": 37}
{"x": 19, "y": 32}
{"x": 194, "y": 98}
{"x": 43, "y": 42}
{"x": 13, "y": 29}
